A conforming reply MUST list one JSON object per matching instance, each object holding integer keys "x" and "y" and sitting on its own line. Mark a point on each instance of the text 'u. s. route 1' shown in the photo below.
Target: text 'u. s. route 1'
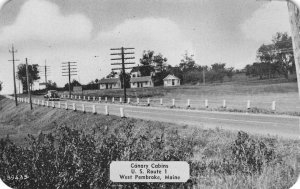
{"x": 149, "y": 171}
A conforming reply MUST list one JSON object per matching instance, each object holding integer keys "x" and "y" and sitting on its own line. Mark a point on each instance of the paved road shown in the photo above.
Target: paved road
{"x": 283, "y": 126}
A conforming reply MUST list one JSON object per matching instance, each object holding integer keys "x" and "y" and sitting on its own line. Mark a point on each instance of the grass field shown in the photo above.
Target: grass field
{"x": 212, "y": 154}
{"x": 260, "y": 94}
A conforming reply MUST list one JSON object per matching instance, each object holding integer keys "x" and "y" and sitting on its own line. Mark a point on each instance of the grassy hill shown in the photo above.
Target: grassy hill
{"x": 217, "y": 158}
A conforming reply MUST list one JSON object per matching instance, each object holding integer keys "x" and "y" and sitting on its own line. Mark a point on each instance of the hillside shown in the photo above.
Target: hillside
{"x": 213, "y": 155}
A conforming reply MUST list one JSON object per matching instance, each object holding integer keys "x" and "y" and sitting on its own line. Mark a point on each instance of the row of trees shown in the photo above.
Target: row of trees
{"x": 187, "y": 70}
{"x": 274, "y": 59}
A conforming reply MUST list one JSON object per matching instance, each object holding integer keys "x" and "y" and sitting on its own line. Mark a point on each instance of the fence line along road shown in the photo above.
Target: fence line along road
{"x": 182, "y": 103}
{"x": 285, "y": 126}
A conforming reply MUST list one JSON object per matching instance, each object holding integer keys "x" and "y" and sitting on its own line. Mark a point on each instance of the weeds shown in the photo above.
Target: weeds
{"x": 72, "y": 158}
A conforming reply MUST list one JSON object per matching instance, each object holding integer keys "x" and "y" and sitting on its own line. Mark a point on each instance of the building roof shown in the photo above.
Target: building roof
{"x": 140, "y": 79}
{"x": 171, "y": 77}
{"x": 109, "y": 80}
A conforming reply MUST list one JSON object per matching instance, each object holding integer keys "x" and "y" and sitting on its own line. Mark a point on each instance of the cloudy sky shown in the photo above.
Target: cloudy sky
{"x": 84, "y": 30}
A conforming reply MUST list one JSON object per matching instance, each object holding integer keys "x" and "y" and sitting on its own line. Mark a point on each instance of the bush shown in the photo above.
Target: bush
{"x": 71, "y": 158}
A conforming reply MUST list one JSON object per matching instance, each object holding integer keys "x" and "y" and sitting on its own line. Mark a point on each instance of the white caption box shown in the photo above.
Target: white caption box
{"x": 149, "y": 171}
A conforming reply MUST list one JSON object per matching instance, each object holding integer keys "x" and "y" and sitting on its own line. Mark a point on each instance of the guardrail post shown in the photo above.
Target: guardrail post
{"x": 224, "y": 103}
{"x": 173, "y": 102}
{"x": 53, "y": 105}
{"x": 83, "y": 97}
{"x": 137, "y": 100}
{"x": 75, "y": 97}
{"x": 94, "y": 98}
{"x": 43, "y": 103}
{"x": 148, "y": 101}
{"x": 128, "y": 100}
{"x": 122, "y": 112}
{"x": 188, "y": 103}
{"x": 38, "y": 102}
{"x": 83, "y": 108}
{"x": 58, "y": 105}
{"x": 161, "y": 101}
{"x": 274, "y": 105}
{"x": 99, "y": 98}
{"x": 88, "y": 98}
{"x": 47, "y": 103}
{"x": 106, "y": 99}
{"x": 74, "y": 106}
{"x": 206, "y": 103}
{"x": 113, "y": 99}
{"x": 66, "y": 105}
{"x": 94, "y": 109}
{"x": 79, "y": 97}
{"x": 106, "y": 110}
{"x": 248, "y": 104}
{"x": 120, "y": 100}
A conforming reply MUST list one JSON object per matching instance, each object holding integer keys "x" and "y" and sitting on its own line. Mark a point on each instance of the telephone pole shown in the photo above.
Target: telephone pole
{"x": 45, "y": 71}
{"x": 69, "y": 69}
{"x": 13, "y": 51}
{"x": 295, "y": 28}
{"x": 294, "y": 14}
{"x": 123, "y": 63}
{"x": 28, "y": 84}
{"x": 203, "y": 76}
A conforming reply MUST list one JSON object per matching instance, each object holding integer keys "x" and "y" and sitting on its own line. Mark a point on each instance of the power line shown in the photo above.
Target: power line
{"x": 28, "y": 84}
{"x": 45, "y": 71}
{"x": 122, "y": 63}
{"x": 69, "y": 69}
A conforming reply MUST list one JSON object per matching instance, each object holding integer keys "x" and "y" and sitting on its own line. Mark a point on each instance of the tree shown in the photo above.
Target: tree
{"x": 188, "y": 63}
{"x": 73, "y": 83}
{"x": 152, "y": 63}
{"x": 160, "y": 62}
{"x": 112, "y": 74}
{"x": 51, "y": 85}
{"x": 33, "y": 74}
{"x": 284, "y": 53}
{"x": 276, "y": 58}
{"x": 127, "y": 80}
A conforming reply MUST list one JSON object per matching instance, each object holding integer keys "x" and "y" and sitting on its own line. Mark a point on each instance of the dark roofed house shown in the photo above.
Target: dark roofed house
{"x": 138, "y": 82}
{"x": 110, "y": 83}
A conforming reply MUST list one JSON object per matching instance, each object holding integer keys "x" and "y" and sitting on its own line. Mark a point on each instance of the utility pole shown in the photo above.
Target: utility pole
{"x": 69, "y": 69}
{"x": 295, "y": 28}
{"x": 203, "y": 76}
{"x": 123, "y": 63}
{"x": 294, "y": 14}
{"x": 45, "y": 72}
{"x": 28, "y": 84}
{"x": 13, "y": 51}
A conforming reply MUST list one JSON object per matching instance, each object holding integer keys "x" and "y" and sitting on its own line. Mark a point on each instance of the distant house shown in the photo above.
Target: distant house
{"x": 171, "y": 80}
{"x": 135, "y": 72}
{"x": 139, "y": 82}
{"x": 110, "y": 83}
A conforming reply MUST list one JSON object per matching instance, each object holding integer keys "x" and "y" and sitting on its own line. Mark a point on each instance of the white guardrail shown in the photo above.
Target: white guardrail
{"x": 188, "y": 103}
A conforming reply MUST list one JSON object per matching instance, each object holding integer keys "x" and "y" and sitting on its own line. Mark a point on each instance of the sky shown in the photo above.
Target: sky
{"x": 84, "y": 31}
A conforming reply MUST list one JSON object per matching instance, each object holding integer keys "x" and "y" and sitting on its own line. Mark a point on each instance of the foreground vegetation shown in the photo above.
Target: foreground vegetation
{"x": 61, "y": 154}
